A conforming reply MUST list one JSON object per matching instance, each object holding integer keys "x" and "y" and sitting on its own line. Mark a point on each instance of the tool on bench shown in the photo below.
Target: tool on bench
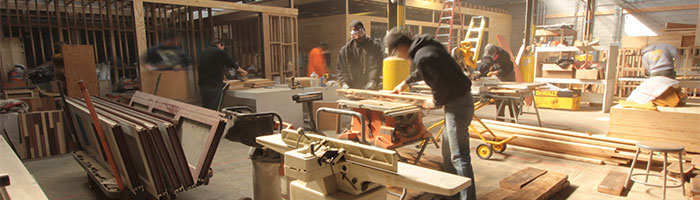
{"x": 308, "y": 98}
{"x": 330, "y": 168}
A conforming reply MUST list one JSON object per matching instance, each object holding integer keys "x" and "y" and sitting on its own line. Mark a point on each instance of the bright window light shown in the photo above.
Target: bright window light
{"x": 634, "y": 27}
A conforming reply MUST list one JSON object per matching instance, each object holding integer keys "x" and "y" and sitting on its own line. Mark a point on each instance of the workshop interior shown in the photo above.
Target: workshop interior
{"x": 349, "y": 99}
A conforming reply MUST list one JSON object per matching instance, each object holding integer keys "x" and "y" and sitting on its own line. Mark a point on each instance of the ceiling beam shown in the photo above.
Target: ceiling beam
{"x": 230, "y": 6}
{"x": 628, "y": 11}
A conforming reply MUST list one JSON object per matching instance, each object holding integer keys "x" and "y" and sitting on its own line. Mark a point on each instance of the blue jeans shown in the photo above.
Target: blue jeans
{"x": 455, "y": 141}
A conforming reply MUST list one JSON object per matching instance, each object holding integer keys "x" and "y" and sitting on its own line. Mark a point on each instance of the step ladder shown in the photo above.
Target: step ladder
{"x": 471, "y": 45}
{"x": 450, "y": 18}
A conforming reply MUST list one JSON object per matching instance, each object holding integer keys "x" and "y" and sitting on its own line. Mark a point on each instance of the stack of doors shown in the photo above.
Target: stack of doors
{"x": 147, "y": 145}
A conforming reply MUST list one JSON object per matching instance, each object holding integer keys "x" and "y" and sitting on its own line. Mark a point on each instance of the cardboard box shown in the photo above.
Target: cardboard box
{"x": 566, "y": 100}
{"x": 554, "y": 71}
{"x": 328, "y": 121}
{"x": 588, "y": 74}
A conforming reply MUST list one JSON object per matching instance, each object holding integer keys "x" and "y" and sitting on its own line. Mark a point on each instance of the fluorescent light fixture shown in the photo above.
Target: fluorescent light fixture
{"x": 634, "y": 27}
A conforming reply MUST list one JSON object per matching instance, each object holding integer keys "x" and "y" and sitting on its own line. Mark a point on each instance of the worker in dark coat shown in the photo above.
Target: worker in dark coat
{"x": 450, "y": 88}
{"x": 213, "y": 61}
{"x": 360, "y": 60}
{"x": 496, "y": 62}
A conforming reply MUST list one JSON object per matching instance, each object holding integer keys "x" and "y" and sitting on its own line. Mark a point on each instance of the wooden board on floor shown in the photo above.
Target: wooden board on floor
{"x": 613, "y": 183}
{"x": 675, "y": 125}
{"x": 519, "y": 179}
{"x": 79, "y": 62}
{"x": 542, "y": 188}
{"x": 498, "y": 194}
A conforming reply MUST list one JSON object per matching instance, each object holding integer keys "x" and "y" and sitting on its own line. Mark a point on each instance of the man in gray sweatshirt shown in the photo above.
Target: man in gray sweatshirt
{"x": 658, "y": 60}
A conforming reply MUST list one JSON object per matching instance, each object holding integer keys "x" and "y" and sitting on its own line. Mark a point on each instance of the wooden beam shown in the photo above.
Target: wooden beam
{"x": 229, "y": 6}
{"x": 626, "y": 11}
{"x": 140, "y": 30}
{"x": 697, "y": 30}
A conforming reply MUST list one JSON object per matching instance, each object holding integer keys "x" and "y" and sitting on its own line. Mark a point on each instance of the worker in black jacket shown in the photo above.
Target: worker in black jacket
{"x": 450, "y": 87}
{"x": 496, "y": 61}
{"x": 360, "y": 60}
{"x": 213, "y": 61}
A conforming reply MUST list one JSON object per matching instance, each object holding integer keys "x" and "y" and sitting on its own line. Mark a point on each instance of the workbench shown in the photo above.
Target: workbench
{"x": 277, "y": 99}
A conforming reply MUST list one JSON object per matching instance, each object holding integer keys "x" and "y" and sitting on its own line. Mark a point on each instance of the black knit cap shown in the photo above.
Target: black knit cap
{"x": 356, "y": 23}
{"x": 397, "y": 37}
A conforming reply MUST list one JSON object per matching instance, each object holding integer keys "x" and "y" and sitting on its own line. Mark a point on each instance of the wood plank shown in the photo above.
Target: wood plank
{"x": 613, "y": 183}
{"x": 498, "y": 194}
{"x": 674, "y": 125}
{"x": 23, "y": 185}
{"x": 519, "y": 179}
{"x": 695, "y": 160}
{"x": 542, "y": 188}
{"x": 557, "y": 155}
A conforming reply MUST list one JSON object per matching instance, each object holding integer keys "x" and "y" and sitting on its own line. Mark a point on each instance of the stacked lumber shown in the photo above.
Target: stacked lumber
{"x": 406, "y": 97}
{"x": 40, "y": 103}
{"x": 529, "y": 183}
{"x": 41, "y": 134}
{"x": 669, "y": 124}
{"x": 570, "y": 145}
{"x": 146, "y": 142}
{"x": 250, "y": 83}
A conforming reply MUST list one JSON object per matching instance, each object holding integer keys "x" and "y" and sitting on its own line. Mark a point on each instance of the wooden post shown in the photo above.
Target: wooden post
{"x": 267, "y": 60}
{"x": 610, "y": 74}
{"x": 697, "y": 30}
{"x": 140, "y": 35}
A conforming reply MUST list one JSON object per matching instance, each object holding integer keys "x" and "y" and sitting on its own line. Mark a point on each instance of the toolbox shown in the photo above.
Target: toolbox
{"x": 556, "y": 99}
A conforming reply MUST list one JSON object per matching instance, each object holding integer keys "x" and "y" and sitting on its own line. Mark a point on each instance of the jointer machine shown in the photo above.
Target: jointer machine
{"x": 334, "y": 169}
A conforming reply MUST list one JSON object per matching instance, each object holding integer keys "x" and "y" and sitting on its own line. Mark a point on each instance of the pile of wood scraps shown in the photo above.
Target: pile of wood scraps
{"x": 529, "y": 183}
{"x": 569, "y": 145}
{"x": 250, "y": 83}
{"x": 158, "y": 146}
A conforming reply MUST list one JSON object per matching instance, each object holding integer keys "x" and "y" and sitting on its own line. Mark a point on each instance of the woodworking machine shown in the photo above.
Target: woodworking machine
{"x": 384, "y": 124}
{"x": 330, "y": 168}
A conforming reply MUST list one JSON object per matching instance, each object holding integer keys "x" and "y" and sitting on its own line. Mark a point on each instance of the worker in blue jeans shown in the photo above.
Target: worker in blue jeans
{"x": 450, "y": 87}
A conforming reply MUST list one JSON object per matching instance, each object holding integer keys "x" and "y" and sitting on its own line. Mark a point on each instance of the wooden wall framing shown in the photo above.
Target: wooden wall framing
{"x": 107, "y": 25}
{"x": 206, "y": 27}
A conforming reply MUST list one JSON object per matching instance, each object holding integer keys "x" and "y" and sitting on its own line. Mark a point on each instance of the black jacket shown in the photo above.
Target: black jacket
{"x": 360, "y": 63}
{"x": 503, "y": 65}
{"x": 212, "y": 63}
{"x": 433, "y": 64}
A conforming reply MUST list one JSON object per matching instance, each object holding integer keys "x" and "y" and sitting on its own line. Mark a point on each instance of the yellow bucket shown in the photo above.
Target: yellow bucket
{"x": 395, "y": 71}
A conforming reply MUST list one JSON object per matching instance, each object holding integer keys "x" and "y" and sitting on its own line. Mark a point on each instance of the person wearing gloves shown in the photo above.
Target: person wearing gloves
{"x": 360, "y": 60}
{"x": 450, "y": 87}
{"x": 496, "y": 62}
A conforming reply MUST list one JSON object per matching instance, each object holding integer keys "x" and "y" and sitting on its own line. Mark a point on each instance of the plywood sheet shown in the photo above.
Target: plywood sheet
{"x": 676, "y": 125}
{"x": 79, "y": 62}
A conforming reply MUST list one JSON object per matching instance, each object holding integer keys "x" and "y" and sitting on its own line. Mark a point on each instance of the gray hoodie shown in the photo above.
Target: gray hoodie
{"x": 659, "y": 57}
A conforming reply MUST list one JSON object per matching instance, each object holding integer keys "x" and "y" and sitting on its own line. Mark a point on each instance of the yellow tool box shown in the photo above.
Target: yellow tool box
{"x": 566, "y": 100}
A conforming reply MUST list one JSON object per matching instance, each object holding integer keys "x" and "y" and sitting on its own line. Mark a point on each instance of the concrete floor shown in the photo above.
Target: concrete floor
{"x": 62, "y": 178}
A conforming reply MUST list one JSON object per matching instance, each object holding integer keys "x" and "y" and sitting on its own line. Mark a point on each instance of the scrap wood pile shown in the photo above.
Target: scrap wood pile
{"x": 143, "y": 151}
{"x": 529, "y": 183}
{"x": 570, "y": 145}
{"x": 250, "y": 83}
